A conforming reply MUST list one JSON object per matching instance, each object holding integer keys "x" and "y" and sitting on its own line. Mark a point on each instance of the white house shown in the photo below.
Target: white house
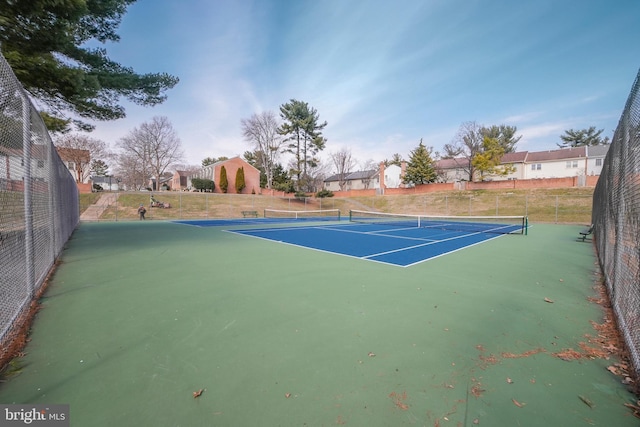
{"x": 392, "y": 176}
{"x": 565, "y": 162}
{"x": 561, "y": 163}
{"x": 12, "y": 168}
{"x": 595, "y": 158}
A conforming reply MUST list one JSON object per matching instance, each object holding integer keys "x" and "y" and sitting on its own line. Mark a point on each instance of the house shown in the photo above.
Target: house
{"x": 517, "y": 161}
{"x": 452, "y": 170}
{"x": 595, "y": 158}
{"x": 179, "y": 180}
{"x": 78, "y": 162}
{"x": 12, "y": 170}
{"x": 561, "y": 163}
{"x": 212, "y": 172}
{"x": 565, "y": 162}
{"x": 360, "y": 180}
{"x": 165, "y": 183}
{"x": 392, "y": 176}
{"x": 107, "y": 183}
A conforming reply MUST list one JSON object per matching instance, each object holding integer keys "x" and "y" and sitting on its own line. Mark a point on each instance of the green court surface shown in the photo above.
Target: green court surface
{"x": 140, "y": 315}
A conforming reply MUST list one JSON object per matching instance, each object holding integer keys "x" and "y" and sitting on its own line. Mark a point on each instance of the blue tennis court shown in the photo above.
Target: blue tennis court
{"x": 389, "y": 244}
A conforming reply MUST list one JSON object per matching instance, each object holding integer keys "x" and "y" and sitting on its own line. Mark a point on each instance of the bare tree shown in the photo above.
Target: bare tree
{"x": 80, "y": 150}
{"x": 369, "y": 165}
{"x": 152, "y": 148}
{"x": 466, "y": 144}
{"x": 344, "y": 164}
{"x": 261, "y": 130}
{"x": 131, "y": 171}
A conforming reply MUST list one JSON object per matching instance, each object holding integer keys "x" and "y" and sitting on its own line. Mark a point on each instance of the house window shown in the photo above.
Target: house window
{"x": 71, "y": 166}
{"x": 598, "y": 162}
{"x": 574, "y": 164}
{"x": 568, "y": 165}
{"x": 536, "y": 166}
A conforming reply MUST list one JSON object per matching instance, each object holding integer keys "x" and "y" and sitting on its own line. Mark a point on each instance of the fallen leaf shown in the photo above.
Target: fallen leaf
{"x": 548, "y": 300}
{"x": 509, "y": 380}
{"x": 198, "y": 393}
{"x": 371, "y": 354}
{"x": 518, "y": 404}
{"x": 287, "y": 395}
{"x": 586, "y": 401}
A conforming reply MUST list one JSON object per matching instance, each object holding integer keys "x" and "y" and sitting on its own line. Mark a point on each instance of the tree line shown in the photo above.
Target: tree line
{"x": 46, "y": 44}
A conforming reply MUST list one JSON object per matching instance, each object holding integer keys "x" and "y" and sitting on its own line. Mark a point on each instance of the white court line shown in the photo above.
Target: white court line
{"x": 377, "y": 233}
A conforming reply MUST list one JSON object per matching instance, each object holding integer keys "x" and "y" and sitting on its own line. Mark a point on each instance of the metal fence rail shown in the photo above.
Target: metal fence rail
{"x": 38, "y": 205}
{"x": 616, "y": 218}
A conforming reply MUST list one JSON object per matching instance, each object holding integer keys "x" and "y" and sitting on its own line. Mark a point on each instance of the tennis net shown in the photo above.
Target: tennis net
{"x": 318, "y": 215}
{"x": 484, "y": 224}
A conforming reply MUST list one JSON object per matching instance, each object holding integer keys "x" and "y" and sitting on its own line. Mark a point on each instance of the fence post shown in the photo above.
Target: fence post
{"x": 28, "y": 209}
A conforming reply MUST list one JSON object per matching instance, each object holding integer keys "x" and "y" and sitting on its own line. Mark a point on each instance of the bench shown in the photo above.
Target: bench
{"x": 252, "y": 214}
{"x": 586, "y": 232}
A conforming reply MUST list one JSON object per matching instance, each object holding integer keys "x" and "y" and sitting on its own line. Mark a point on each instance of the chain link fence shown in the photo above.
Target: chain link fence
{"x": 38, "y": 206}
{"x": 616, "y": 219}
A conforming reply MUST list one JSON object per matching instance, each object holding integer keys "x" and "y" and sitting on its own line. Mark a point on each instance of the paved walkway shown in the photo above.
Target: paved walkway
{"x": 94, "y": 211}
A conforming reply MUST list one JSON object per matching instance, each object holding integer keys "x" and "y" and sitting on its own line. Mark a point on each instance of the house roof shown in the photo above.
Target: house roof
{"x": 597, "y": 150}
{"x": 562, "y": 154}
{"x": 519, "y": 157}
{"x": 456, "y": 163}
{"x": 74, "y": 154}
{"x": 368, "y": 174}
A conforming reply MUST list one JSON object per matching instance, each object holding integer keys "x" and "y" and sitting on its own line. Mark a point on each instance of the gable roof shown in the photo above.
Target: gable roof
{"x": 353, "y": 176}
{"x": 459, "y": 162}
{"x": 562, "y": 154}
{"x": 73, "y": 154}
{"x": 597, "y": 150}
{"x": 519, "y": 157}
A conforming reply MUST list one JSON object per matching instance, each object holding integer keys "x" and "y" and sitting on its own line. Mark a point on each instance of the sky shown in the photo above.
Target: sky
{"x": 384, "y": 74}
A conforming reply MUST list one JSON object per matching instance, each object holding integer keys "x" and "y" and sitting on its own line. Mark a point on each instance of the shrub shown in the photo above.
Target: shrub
{"x": 202, "y": 184}
{"x": 324, "y": 193}
{"x": 240, "y": 184}
{"x": 224, "y": 182}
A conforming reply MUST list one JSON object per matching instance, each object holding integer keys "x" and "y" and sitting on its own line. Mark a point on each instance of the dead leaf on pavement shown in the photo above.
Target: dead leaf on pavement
{"x": 518, "y": 404}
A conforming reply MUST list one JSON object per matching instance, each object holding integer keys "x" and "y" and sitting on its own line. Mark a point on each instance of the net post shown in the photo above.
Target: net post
{"x": 350, "y": 215}
{"x": 525, "y": 220}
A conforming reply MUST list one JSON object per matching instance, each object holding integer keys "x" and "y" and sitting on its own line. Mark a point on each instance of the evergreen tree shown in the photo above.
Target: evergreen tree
{"x": 50, "y": 47}
{"x": 240, "y": 184}
{"x": 304, "y": 132}
{"x": 99, "y": 167}
{"x": 224, "y": 182}
{"x": 504, "y": 135}
{"x": 579, "y": 138}
{"x": 420, "y": 167}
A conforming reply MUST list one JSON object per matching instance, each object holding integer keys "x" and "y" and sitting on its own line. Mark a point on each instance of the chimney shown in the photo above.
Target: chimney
{"x": 383, "y": 184}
